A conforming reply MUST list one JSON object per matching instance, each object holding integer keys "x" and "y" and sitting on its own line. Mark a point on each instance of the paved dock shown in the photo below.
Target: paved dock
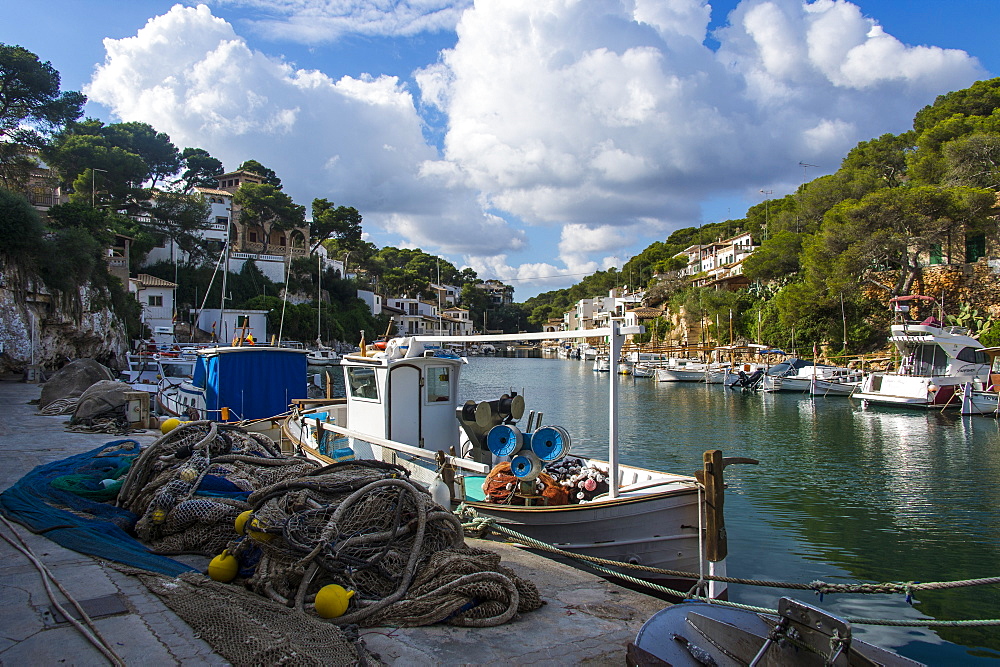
{"x": 585, "y": 620}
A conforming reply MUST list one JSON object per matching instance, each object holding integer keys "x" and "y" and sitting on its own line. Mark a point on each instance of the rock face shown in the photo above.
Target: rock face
{"x": 39, "y": 327}
{"x": 72, "y": 380}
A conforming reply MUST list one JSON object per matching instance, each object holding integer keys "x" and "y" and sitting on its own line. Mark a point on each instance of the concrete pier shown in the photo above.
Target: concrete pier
{"x": 585, "y": 620}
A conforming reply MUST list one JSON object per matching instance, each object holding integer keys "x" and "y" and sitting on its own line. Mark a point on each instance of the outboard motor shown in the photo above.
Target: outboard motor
{"x": 752, "y": 382}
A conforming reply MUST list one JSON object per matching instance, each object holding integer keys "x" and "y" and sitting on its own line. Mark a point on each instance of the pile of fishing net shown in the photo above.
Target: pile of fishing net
{"x": 289, "y": 528}
{"x": 188, "y": 487}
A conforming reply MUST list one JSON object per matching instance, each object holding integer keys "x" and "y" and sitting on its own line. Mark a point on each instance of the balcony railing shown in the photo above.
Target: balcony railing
{"x": 280, "y": 250}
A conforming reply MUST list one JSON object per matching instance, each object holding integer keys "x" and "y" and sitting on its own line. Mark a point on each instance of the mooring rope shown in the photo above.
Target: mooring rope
{"x": 480, "y": 526}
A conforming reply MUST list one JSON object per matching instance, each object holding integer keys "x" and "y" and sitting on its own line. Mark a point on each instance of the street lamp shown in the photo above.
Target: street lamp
{"x": 92, "y": 189}
{"x": 767, "y": 194}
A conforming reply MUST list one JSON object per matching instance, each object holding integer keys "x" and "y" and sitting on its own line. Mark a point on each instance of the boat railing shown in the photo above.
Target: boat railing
{"x": 427, "y": 455}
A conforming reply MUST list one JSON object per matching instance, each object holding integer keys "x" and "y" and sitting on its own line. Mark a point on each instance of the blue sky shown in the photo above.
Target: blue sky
{"x": 533, "y": 140}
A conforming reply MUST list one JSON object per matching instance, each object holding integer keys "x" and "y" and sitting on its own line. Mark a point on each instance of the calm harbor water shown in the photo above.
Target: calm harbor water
{"x": 842, "y": 493}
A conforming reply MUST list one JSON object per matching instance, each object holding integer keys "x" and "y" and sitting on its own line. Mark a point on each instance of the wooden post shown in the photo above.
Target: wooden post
{"x": 710, "y": 476}
{"x": 716, "y": 545}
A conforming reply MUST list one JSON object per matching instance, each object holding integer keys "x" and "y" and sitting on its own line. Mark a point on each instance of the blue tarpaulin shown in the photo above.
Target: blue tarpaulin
{"x": 253, "y": 382}
{"x": 93, "y": 528}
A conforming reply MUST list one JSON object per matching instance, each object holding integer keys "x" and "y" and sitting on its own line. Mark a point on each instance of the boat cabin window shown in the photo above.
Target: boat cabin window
{"x": 929, "y": 360}
{"x": 176, "y": 370}
{"x": 438, "y": 384}
{"x": 973, "y": 356}
{"x": 361, "y": 382}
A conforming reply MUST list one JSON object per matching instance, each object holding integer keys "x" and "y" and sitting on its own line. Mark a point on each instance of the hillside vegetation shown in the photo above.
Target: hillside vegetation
{"x": 842, "y": 244}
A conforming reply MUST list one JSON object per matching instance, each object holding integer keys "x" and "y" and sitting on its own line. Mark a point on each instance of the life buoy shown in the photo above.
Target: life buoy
{"x": 380, "y": 344}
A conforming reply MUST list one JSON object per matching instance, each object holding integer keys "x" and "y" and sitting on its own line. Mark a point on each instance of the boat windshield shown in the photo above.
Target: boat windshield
{"x": 177, "y": 370}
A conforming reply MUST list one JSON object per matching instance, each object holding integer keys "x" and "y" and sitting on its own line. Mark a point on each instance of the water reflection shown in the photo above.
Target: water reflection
{"x": 842, "y": 493}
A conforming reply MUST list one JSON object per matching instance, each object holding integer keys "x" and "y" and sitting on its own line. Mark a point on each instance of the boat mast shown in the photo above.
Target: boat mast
{"x": 615, "y": 340}
{"x": 319, "y": 300}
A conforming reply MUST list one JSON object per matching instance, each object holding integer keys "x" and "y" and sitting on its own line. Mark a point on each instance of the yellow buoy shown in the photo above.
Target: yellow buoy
{"x": 241, "y": 521}
{"x": 256, "y": 531}
{"x": 223, "y": 567}
{"x": 169, "y": 425}
{"x": 332, "y": 601}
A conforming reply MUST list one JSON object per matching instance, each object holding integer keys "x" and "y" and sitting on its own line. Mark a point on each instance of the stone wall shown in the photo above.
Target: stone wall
{"x": 37, "y": 326}
{"x": 976, "y": 284}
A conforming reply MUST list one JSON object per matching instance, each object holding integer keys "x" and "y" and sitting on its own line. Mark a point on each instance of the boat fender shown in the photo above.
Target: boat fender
{"x": 440, "y": 492}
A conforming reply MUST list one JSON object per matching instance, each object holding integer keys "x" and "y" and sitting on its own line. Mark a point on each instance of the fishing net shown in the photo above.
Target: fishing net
{"x": 246, "y": 629}
{"x": 364, "y": 526}
{"x": 196, "y": 479}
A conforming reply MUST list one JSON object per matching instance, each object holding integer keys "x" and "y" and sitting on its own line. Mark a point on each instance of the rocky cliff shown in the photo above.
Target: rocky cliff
{"x": 41, "y": 327}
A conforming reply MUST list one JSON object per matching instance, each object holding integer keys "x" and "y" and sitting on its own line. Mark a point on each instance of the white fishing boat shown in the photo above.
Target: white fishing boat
{"x": 602, "y": 363}
{"x": 842, "y": 385}
{"x": 642, "y": 370}
{"x": 684, "y": 370}
{"x": 936, "y": 361}
{"x": 146, "y": 371}
{"x": 625, "y": 367}
{"x": 981, "y": 396}
{"x": 402, "y": 405}
{"x": 236, "y": 383}
{"x": 323, "y": 356}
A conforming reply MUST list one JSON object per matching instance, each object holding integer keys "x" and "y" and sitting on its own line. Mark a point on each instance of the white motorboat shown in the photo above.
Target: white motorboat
{"x": 936, "y": 361}
{"x": 804, "y": 378}
{"x": 641, "y": 370}
{"x": 323, "y": 356}
{"x": 236, "y": 383}
{"x": 625, "y": 367}
{"x": 401, "y": 407}
{"x": 685, "y": 370}
{"x": 982, "y": 396}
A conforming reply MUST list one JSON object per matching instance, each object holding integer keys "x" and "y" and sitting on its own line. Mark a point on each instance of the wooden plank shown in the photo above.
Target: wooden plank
{"x": 319, "y": 401}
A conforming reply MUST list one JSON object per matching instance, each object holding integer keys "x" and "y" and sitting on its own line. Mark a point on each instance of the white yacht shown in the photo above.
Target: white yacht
{"x": 936, "y": 361}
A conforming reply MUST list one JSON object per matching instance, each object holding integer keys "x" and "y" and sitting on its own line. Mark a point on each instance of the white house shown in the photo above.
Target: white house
{"x": 234, "y": 322}
{"x": 156, "y": 296}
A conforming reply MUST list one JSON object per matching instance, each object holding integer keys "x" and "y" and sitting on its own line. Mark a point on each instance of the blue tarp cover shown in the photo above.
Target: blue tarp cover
{"x": 252, "y": 382}
{"x": 33, "y": 502}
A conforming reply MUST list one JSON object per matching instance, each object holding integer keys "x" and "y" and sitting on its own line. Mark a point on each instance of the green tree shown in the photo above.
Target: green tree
{"x": 179, "y": 217}
{"x": 200, "y": 169}
{"x": 776, "y": 259}
{"x": 31, "y": 108}
{"x": 21, "y": 227}
{"x": 892, "y": 229}
{"x": 343, "y": 223}
{"x": 160, "y": 156}
{"x": 255, "y": 167}
{"x": 973, "y": 160}
{"x": 265, "y": 205}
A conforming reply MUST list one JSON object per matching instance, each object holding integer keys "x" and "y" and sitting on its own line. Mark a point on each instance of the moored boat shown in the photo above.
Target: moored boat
{"x": 981, "y": 396}
{"x": 241, "y": 383}
{"x": 401, "y": 406}
{"x": 936, "y": 361}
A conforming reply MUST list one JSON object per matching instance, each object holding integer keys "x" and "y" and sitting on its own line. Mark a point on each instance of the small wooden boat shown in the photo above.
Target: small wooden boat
{"x": 696, "y": 634}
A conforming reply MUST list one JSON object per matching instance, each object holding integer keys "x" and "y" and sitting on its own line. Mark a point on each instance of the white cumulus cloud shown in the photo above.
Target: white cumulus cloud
{"x": 609, "y": 122}
{"x": 356, "y": 141}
